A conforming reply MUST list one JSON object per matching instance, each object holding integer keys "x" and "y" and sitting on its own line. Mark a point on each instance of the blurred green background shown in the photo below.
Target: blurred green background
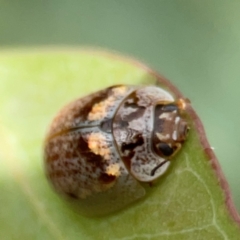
{"x": 194, "y": 43}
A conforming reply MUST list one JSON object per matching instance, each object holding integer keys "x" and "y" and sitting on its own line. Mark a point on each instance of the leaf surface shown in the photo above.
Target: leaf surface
{"x": 191, "y": 201}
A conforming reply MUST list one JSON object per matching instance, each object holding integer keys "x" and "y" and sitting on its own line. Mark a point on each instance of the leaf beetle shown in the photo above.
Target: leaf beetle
{"x": 102, "y": 148}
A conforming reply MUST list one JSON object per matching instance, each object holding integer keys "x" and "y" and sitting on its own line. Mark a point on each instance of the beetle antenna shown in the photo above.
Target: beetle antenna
{"x": 157, "y": 167}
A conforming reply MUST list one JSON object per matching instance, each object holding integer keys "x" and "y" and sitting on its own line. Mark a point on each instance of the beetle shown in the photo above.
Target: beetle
{"x": 102, "y": 148}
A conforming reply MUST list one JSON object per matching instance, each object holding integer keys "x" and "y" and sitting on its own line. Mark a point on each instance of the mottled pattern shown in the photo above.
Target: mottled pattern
{"x": 107, "y": 107}
{"x": 100, "y": 146}
{"x": 81, "y": 158}
{"x": 134, "y": 140}
{"x": 78, "y": 170}
{"x": 83, "y": 111}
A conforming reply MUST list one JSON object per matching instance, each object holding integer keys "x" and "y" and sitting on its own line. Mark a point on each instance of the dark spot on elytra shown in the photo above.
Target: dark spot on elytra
{"x": 53, "y": 157}
{"x": 84, "y": 151}
{"x": 84, "y": 111}
{"x": 93, "y": 99}
{"x": 68, "y": 154}
{"x": 106, "y": 178}
{"x": 67, "y": 164}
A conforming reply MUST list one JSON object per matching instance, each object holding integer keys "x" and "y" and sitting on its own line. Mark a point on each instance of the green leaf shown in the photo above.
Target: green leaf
{"x": 191, "y": 201}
